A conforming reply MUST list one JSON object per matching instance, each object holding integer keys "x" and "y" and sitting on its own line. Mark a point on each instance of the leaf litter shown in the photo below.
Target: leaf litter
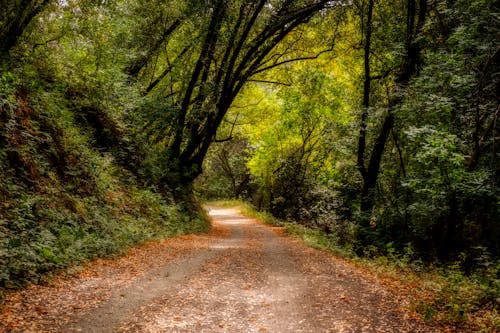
{"x": 242, "y": 276}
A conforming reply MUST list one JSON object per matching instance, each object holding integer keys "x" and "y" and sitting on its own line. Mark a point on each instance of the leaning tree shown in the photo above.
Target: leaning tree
{"x": 211, "y": 50}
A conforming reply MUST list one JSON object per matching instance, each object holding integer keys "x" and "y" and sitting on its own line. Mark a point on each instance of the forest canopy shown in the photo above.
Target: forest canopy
{"x": 373, "y": 121}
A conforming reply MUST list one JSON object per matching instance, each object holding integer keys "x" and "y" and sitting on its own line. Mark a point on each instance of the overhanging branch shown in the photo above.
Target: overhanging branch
{"x": 270, "y": 82}
{"x": 260, "y": 70}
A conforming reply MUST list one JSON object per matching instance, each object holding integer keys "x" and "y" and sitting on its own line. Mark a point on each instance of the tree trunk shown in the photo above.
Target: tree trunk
{"x": 223, "y": 66}
{"x": 15, "y": 19}
{"x": 369, "y": 179}
{"x": 406, "y": 71}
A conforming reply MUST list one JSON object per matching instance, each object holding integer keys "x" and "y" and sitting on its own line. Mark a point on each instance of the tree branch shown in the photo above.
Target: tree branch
{"x": 223, "y": 140}
{"x": 260, "y": 70}
{"x": 270, "y": 82}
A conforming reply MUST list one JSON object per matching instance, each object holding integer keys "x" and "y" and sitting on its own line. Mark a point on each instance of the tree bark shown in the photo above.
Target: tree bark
{"x": 15, "y": 21}
{"x": 227, "y": 60}
{"x": 407, "y": 70}
{"x": 367, "y": 179}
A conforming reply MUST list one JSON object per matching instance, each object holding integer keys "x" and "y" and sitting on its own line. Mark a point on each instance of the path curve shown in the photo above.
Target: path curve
{"x": 242, "y": 277}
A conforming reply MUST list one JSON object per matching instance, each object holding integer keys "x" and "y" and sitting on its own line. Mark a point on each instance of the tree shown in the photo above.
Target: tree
{"x": 234, "y": 44}
{"x": 225, "y": 174}
{"x": 15, "y": 16}
{"x": 449, "y": 125}
{"x": 415, "y": 19}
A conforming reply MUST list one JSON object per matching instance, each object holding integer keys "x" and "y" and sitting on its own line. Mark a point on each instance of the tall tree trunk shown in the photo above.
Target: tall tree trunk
{"x": 403, "y": 76}
{"x": 367, "y": 181}
{"x": 222, "y": 68}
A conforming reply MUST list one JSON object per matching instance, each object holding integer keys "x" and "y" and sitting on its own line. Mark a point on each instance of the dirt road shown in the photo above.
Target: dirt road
{"x": 242, "y": 277}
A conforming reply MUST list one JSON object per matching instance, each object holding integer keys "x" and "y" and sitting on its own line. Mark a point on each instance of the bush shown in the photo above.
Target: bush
{"x": 62, "y": 200}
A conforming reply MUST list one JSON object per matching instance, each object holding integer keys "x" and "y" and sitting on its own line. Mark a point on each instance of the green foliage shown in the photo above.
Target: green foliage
{"x": 437, "y": 189}
{"x": 448, "y": 197}
{"x": 67, "y": 203}
{"x": 70, "y": 189}
{"x": 319, "y": 239}
{"x": 42, "y": 239}
{"x": 436, "y": 200}
{"x": 225, "y": 175}
{"x": 108, "y": 110}
{"x": 458, "y": 298}
{"x": 292, "y": 148}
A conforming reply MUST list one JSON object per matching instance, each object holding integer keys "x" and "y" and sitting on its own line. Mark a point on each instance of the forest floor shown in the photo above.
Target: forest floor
{"x": 243, "y": 276}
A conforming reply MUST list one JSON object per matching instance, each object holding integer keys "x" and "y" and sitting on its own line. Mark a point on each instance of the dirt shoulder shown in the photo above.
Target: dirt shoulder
{"x": 241, "y": 277}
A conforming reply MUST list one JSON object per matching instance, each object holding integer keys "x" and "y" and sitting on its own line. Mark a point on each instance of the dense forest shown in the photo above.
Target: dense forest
{"x": 384, "y": 134}
{"x": 374, "y": 122}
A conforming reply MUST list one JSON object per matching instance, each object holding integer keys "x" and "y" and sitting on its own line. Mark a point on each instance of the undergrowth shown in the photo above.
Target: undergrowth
{"x": 62, "y": 200}
{"x": 441, "y": 294}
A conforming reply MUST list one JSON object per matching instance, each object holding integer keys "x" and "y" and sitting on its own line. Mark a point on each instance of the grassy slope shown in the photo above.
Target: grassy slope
{"x": 62, "y": 200}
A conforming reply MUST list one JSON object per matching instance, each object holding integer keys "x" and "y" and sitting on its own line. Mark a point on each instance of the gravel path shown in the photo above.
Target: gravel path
{"x": 242, "y": 277}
